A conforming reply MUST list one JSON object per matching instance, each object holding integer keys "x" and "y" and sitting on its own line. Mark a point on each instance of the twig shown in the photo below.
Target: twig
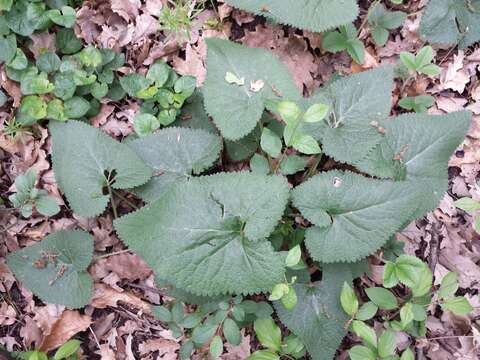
{"x": 111, "y": 254}
{"x": 95, "y": 337}
{"x": 452, "y": 337}
{"x": 125, "y": 199}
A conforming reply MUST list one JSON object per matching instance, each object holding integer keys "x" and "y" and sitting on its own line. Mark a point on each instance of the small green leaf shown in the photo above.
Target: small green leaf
{"x": 55, "y": 110}
{"x": 390, "y": 278}
{"x": 270, "y": 143}
{"x": 201, "y": 334}
{"x": 292, "y": 164}
{"x": 259, "y": 164}
{"x": 408, "y": 269}
{"x": 231, "y": 78}
{"x": 186, "y": 350}
{"x": 430, "y": 70}
{"x": 5, "y": 5}
{"x": 289, "y": 111}
{"x": 20, "y": 61}
{"x": 37, "y": 355}
{"x": 134, "y": 83}
{"x": 366, "y": 311}
{"x": 316, "y": 113}
{"x": 8, "y": 48}
{"x": 407, "y": 355}
{"x": 365, "y": 332}
{"x": 268, "y": 333}
{"x": 293, "y": 256}
{"x": 231, "y": 332}
{"x": 458, "y": 305}
{"x": 424, "y": 283}
{"x": 306, "y": 144}
{"x": 34, "y": 107}
{"x": 349, "y": 300}
{"x": 48, "y": 62}
{"x": 65, "y": 18}
{"x": 467, "y": 204}
{"x": 419, "y": 312}
{"x": 75, "y": 107}
{"x": 90, "y": 56}
{"x": 216, "y": 347}
{"x": 263, "y": 355}
{"x": 387, "y": 344}
{"x": 278, "y": 292}
{"x": 292, "y": 345}
{"x": 449, "y": 285}
{"x": 289, "y": 299}
{"x": 408, "y": 59}
{"x": 162, "y": 313}
{"x": 406, "y": 315}
{"x": 145, "y": 124}
{"x": 359, "y": 352}
{"x": 418, "y": 104}
{"x": 47, "y": 205}
{"x": 383, "y": 298}
{"x": 99, "y": 90}
{"x": 67, "y": 349}
{"x": 67, "y": 42}
{"x": 159, "y": 73}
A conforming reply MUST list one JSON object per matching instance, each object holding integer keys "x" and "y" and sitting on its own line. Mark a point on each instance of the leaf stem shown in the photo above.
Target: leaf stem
{"x": 114, "y": 207}
{"x": 125, "y": 199}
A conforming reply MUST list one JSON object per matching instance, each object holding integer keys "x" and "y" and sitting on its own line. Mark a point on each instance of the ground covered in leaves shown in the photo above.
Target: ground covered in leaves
{"x": 117, "y": 323}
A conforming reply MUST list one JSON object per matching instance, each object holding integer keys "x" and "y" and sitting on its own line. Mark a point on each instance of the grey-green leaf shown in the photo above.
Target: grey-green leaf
{"x": 82, "y": 159}
{"x": 55, "y": 268}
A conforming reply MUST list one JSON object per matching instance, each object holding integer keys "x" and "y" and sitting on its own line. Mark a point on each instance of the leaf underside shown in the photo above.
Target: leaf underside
{"x": 312, "y": 15}
{"x": 318, "y": 318}
{"x": 354, "y": 215}
{"x": 71, "y": 251}
{"x": 208, "y": 235}
{"x": 82, "y": 155}
{"x": 451, "y": 22}
{"x": 174, "y": 154}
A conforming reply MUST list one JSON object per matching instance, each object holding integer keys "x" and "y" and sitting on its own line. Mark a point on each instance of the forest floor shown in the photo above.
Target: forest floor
{"x": 117, "y": 323}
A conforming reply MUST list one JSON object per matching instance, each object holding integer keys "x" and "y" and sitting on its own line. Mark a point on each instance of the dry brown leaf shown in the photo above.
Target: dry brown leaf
{"x": 127, "y": 9}
{"x": 239, "y": 352}
{"x": 11, "y": 87}
{"x": 105, "y": 352}
{"x": 41, "y": 42}
{"x": 163, "y": 346}
{"x": 127, "y": 266}
{"x": 454, "y": 76}
{"x": 70, "y": 323}
{"x": 105, "y": 296}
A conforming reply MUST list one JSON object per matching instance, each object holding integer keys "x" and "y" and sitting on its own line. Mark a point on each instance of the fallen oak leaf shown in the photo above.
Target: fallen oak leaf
{"x": 104, "y": 296}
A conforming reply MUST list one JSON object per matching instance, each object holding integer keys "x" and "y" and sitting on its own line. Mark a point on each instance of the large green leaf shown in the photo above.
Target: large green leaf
{"x": 174, "y": 154}
{"x": 235, "y": 108}
{"x": 416, "y": 148}
{"x": 313, "y": 15}
{"x": 55, "y": 268}
{"x": 354, "y": 215}
{"x": 318, "y": 318}
{"x": 84, "y": 158}
{"x": 451, "y": 22}
{"x": 356, "y": 101}
{"x": 208, "y": 235}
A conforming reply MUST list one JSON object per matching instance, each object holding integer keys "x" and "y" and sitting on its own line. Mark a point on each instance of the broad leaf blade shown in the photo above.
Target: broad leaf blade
{"x": 40, "y": 266}
{"x": 174, "y": 154}
{"x": 235, "y": 108}
{"x": 81, "y": 157}
{"x": 313, "y": 15}
{"x": 208, "y": 235}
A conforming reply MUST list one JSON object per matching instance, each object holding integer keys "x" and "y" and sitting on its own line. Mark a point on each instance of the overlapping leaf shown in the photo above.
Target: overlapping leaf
{"x": 174, "y": 154}
{"x": 313, "y": 15}
{"x": 84, "y": 158}
{"x": 235, "y": 108}
{"x": 318, "y": 318}
{"x": 55, "y": 268}
{"x": 451, "y": 22}
{"x": 208, "y": 235}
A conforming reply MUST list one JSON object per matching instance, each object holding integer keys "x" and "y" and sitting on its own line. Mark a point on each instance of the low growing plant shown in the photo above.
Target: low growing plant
{"x": 471, "y": 206}
{"x": 65, "y": 352}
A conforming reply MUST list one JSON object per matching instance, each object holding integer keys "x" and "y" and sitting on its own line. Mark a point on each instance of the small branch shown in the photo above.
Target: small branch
{"x": 111, "y": 254}
{"x": 451, "y": 337}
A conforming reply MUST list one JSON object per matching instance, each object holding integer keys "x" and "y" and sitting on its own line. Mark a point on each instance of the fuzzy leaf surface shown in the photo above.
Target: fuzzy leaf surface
{"x": 236, "y": 109}
{"x": 208, "y": 235}
{"x": 174, "y": 154}
{"x": 72, "y": 251}
{"x": 312, "y": 15}
{"x": 318, "y": 318}
{"x": 82, "y": 155}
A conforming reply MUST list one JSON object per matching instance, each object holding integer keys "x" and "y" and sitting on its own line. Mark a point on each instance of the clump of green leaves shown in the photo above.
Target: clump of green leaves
{"x": 418, "y": 104}
{"x": 471, "y": 206}
{"x": 382, "y": 20}
{"x": 65, "y": 352}
{"x": 27, "y": 197}
{"x": 407, "y": 315}
{"x": 176, "y": 18}
{"x": 421, "y": 63}
{"x": 163, "y": 93}
{"x": 270, "y": 337}
{"x": 345, "y": 39}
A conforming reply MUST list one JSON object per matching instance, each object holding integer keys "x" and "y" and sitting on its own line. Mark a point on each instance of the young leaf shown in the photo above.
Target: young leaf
{"x": 382, "y": 20}
{"x": 407, "y": 355}
{"x": 90, "y": 56}
{"x": 383, "y": 298}
{"x": 418, "y": 104}
{"x": 65, "y": 18}
{"x": 259, "y": 165}
{"x": 234, "y": 108}
{"x": 390, "y": 278}
{"x": 458, "y": 305}
{"x": 270, "y": 143}
{"x": 349, "y": 300}
{"x": 162, "y": 313}
{"x": 278, "y": 291}
{"x": 232, "y": 332}
{"x": 47, "y": 205}
{"x": 145, "y": 124}
{"x": 467, "y": 204}
{"x": 268, "y": 333}
{"x": 82, "y": 155}
{"x": 316, "y": 113}
{"x": 289, "y": 111}
{"x": 67, "y": 349}
{"x": 8, "y": 48}
{"x": 306, "y": 144}
{"x": 292, "y": 164}
{"x": 365, "y": 332}
{"x": 294, "y": 256}
{"x": 408, "y": 269}
{"x": 216, "y": 347}
{"x": 289, "y": 300}
{"x": 359, "y": 352}
{"x": 387, "y": 344}
{"x": 316, "y": 16}
{"x": 449, "y": 285}
{"x": 55, "y": 268}
{"x": 159, "y": 73}
{"x": 208, "y": 235}
{"x": 406, "y": 315}
{"x": 184, "y": 152}
{"x": 366, "y": 311}
{"x": 263, "y": 355}
{"x": 345, "y": 39}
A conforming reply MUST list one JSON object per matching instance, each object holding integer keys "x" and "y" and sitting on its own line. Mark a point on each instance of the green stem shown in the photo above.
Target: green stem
{"x": 114, "y": 207}
{"x": 313, "y": 168}
{"x": 125, "y": 199}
